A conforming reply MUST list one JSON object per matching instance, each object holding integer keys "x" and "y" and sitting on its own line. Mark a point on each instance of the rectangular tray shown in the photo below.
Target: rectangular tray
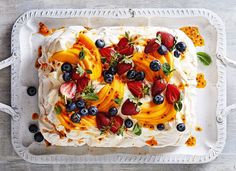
{"x": 211, "y": 115}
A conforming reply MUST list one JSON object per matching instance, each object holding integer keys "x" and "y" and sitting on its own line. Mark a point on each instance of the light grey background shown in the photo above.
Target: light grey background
{"x": 11, "y": 9}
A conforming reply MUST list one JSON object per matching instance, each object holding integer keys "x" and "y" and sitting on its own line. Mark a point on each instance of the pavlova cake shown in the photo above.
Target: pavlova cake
{"x": 117, "y": 87}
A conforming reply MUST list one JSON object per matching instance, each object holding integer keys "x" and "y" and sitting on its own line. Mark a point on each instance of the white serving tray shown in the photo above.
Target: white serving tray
{"x": 211, "y": 103}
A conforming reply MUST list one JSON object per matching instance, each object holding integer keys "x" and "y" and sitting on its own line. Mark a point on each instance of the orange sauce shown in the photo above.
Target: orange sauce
{"x": 191, "y": 141}
{"x": 152, "y": 142}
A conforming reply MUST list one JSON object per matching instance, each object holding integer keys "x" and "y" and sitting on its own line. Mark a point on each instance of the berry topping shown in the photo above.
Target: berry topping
{"x": 108, "y": 78}
{"x": 31, "y": 91}
{"x": 107, "y": 53}
{"x": 162, "y": 50}
{"x": 167, "y": 39}
{"x": 158, "y": 99}
{"x": 113, "y": 111}
{"x": 66, "y": 67}
{"x": 68, "y": 89}
{"x": 124, "y": 47}
{"x": 76, "y": 76}
{"x": 112, "y": 70}
{"x": 123, "y": 68}
{"x": 116, "y": 123}
{"x": 131, "y": 74}
{"x": 82, "y": 83}
{"x": 83, "y": 112}
{"x": 136, "y": 87}
{"x": 33, "y": 128}
{"x": 180, "y": 127}
{"x": 80, "y": 103}
{"x": 100, "y": 43}
{"x": 158, "y": 87}
{"x": 102, "y": 121}
{"x": 155, "y": 65}
{"x": 93, "y": 110}
{"x": 67, "y": 76}
{"x": 139, "y": 76}
{"x": 151, "y": 46}
{"x": 71, "y": 106}
{"x": 128, "y": 123}
{"x": 160, "y": 127}
{"x": 172, "y": 94}
{"x": 129, "y": 108}
{"x": 75, "y": 117}
{"x": 176, "y": 53}
{"x": 38, "y": 137}
{"x": 181, "y": 46}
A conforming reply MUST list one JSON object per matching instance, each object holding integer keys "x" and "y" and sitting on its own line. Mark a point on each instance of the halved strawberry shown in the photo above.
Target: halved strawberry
{"x": 102, "y": 120}
{"x": 129, "y": 108}
{"x": 123, "y": 42}
{"x": 82, "y": 83}
{"x": 123, "y": 67}
{"x": 77, "y": 76}
{"x": 116, "y": 123}
{"x": 68, "y": 89}
{"x": 136, "y": 88}
{"x": 166, "y": 39}
{"x": 172, "y": 94}
{"x": 107, "y": 52}
{"x": 124, "y": 48}
{"x": 151, "y": 46}
{"x": 158, "y": 87}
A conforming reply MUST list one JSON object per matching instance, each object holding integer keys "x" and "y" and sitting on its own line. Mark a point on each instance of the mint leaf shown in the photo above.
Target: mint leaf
{"x": 146, "y": 90}
{"x": 166, "y": 69}
{"x": 137, "y": 129}
{"x": 90, "y": 96}
{"x": 57, "y": 109}
{"x": 204, "y": 58}
{"x": 88, "y": 71}
{"x": 178, "y": 106}
{"x": 118, "y": 100}
{"x": 82, "y": 54}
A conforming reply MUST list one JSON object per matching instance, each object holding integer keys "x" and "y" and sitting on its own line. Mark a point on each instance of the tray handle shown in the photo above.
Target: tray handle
{"x": 229, "y": 109}
{"x": 3, "y": 107}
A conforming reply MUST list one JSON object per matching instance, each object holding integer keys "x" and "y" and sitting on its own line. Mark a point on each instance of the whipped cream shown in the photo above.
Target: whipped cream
{"x": 49, "y": 83}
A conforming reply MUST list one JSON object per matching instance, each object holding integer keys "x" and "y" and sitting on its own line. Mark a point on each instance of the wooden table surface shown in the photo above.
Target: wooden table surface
{"x": 11, "y": 9}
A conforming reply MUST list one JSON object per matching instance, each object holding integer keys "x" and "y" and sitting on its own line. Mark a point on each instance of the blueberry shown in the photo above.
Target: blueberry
{"x": 100, "y": 43}
{"x": 66, "y": 67}
{"x": 38, "y": 137}
{"x": 139, "y": 76}
{"x": 128, "y": 123}
{"x": 162, "y": 50}
{"x": 113, "y": 111}
{"x": 180, "y": 127}
{"x": 155, "y": 65}
{"x": 112, "y": 70}
{"x": 93, "y": 110}
{"x": 31, "y": 91}
{"x": 158, "y": 99}
{"x": 108, "y": 78}
{"x": 33, "y": 128}
{"x": 80, "y": 103}
{"x": 66, "y": 76}
{"x": 131, "y": 74}
{"x": 83, "y": 112}
{"x": 181, "y": 46}
{"x": 160, "y": 127}
{"x": 75, "y": 117}
{"x": 176, "y": 53}
{"x": 71, "y": 106}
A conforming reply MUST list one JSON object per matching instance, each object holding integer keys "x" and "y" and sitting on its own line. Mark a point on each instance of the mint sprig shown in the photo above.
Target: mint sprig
{"x": 89, "y": 94}
{"x": 204, "y": 58}
{"x": 166, "y": 69}
{"x": 137, "y": 129}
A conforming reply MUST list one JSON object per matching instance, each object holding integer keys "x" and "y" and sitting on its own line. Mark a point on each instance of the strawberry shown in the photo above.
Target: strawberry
{"x": 68, "y": 89}
{"x": 107, "y": 52}
{"x": 123, "y": 67}
{"x": 129, "y": 108}
{"x": 167, "y": 39}
{"x": 172, "y": 94}
{"x": 124, "y": 48}
{"x": 158, "y": 87}
{"x": 116, "y": 123}
{"x": 136, "y": 87}
{"x": 76, "y": 76}
{"x": 102, "y": 121}
{"x": 151, "y": 46}
{"x": 82, "y": 83}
